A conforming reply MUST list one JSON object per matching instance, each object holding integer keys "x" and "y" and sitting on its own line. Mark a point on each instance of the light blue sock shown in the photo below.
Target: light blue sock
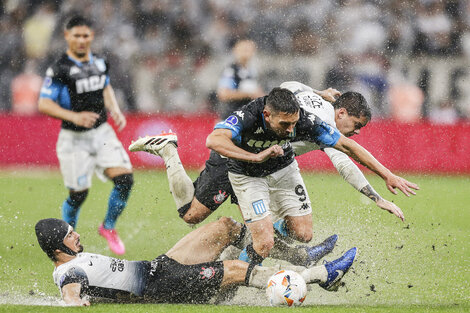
{"x": 70, "y": 213}
{"x": 281, "y": 227}
{"x": 116, "y": 204}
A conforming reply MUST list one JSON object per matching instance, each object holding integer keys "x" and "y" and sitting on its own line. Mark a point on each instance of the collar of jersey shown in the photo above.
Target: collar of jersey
{"x": 80, "y": 64}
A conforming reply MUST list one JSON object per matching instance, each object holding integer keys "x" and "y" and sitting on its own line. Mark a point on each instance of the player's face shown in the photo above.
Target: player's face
{"x": 281, "y": 123}
{"x": 72, "y": 241}
{"x": 79, "y": 40}
{"x": 349, "y": 125}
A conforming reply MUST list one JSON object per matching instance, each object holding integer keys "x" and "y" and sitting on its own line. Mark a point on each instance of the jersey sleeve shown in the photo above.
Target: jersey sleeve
{"x": 53, "y": 85}
{"x": 236, "y": 122}
{"x": 321, "y": 133}
{"x": 228, "y": 79}
{"x": 74, "y": 275}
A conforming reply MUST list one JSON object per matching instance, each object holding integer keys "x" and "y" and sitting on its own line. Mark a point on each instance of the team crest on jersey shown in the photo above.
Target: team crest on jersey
{"x": 207, "y": 273}
{"x": 74, "y": 70}
{"x": 240, "y": 113}
{"x": 259, "y": 130}
{"x": 220, "y": 197}
{"x": 231, "y": 120}
{"x": 100, "y": 65}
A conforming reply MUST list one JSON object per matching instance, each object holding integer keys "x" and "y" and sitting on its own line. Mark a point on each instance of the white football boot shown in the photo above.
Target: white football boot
{"x": 154, "y": 144}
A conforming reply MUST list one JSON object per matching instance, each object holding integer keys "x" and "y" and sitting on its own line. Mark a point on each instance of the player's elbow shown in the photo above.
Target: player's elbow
{"x": 211, "y": 141}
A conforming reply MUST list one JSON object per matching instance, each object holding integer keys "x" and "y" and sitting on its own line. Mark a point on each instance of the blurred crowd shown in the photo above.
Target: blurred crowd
{"x": 168, "y": 55}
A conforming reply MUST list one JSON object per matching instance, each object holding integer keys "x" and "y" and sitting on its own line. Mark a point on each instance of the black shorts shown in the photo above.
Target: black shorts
{"x": 172, "y": 282}
{"x": 213, "y": 187}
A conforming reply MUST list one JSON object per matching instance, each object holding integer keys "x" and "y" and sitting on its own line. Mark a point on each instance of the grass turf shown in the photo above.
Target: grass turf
{"x": 421, "y": 265}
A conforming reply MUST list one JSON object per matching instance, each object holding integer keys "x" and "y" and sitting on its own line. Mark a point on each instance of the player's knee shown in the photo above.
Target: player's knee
{"x": 263, "y": 245}
{"x": 305, "y": 235}
{"x": 192, "y": 218}
{"x": 76, "y": 198}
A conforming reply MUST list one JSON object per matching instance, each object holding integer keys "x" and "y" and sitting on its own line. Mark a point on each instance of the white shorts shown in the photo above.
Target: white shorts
{"x": 282, "y": 193}
{"x": 81, "y": 153}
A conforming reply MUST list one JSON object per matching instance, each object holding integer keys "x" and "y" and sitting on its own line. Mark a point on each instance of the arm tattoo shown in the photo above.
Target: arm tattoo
{"x": 371, "y": 193}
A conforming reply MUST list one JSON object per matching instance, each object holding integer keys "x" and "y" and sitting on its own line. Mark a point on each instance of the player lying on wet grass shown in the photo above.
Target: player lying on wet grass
{"x": 187, "y": 273}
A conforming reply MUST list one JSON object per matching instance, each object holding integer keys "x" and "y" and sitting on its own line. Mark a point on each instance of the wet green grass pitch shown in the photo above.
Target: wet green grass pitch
{"x": 421, "y": 265}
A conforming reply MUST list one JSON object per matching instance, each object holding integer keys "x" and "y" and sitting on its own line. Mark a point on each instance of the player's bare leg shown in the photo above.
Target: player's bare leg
{"x": 196, "y": 213}
{"x": 300, "y": 227}
{"x": 207, "y": 242}
{"x": 262, "y": 234}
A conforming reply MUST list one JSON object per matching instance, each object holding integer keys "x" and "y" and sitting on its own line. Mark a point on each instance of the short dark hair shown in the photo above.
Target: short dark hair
{"x": 354, "y": 103}
{"x": 77, "y": 20}
{"x": 282, "y": 100}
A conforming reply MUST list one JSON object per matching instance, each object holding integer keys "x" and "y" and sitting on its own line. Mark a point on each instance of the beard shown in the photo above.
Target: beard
{"x": 80, "y": 54}
{"x": 80, "y": 248}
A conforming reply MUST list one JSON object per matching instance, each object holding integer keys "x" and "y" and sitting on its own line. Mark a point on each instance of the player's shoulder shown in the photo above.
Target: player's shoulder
{"x": 58, "y": 67}
{"x": 101, "y": 62}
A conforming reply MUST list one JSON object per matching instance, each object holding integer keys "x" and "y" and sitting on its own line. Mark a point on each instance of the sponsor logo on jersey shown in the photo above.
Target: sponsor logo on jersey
{"x": 259, "y": 130}
{"x": 259, "y": 207}
{"x": 154, "y": 265}
{"x": 207, "y": 272}
{"x": 232, "y": 120}
{"x": 240, "y": 113}
{"x": 74, "y": 70}
{"x": 304, "y": 207}
{"x": 220, "y": 197}
{"x": 91, "y": 83}
{"x": 266, "y": 144}
{"x": 100, "y": 65}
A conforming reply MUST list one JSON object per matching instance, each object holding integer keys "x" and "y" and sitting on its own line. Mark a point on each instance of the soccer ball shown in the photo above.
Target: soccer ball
{"x": 286, "y": 288}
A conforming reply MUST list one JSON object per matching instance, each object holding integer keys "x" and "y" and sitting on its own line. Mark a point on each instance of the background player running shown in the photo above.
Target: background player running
{"x": 77, "y": 91}
{"x": 187, "y": 273}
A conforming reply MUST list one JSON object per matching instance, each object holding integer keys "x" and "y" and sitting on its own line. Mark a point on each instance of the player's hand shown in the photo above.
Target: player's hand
{"x": 394, "y": 181}
{"x": 119, "y": 119}
{"x": 271, "y": 152}
{"x": 85, "y": 119}
{"x": 330, "y": 94}
{"x": 390, "y": 207}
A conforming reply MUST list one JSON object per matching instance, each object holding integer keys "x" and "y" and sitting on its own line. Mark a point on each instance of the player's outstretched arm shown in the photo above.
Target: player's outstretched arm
{"x": 353, "y": 175}
{"x": 361, "y": 155}
{"x": 220, "y": 140}
{"x": 112, "y": 106}
{"x": 84, "y": 119}
{"x": 71, "y": 295}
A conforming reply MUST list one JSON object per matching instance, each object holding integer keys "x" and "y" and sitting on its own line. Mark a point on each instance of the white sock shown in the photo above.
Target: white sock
{"x": 181, "y": 186}
{"x": 313, "y": 275}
